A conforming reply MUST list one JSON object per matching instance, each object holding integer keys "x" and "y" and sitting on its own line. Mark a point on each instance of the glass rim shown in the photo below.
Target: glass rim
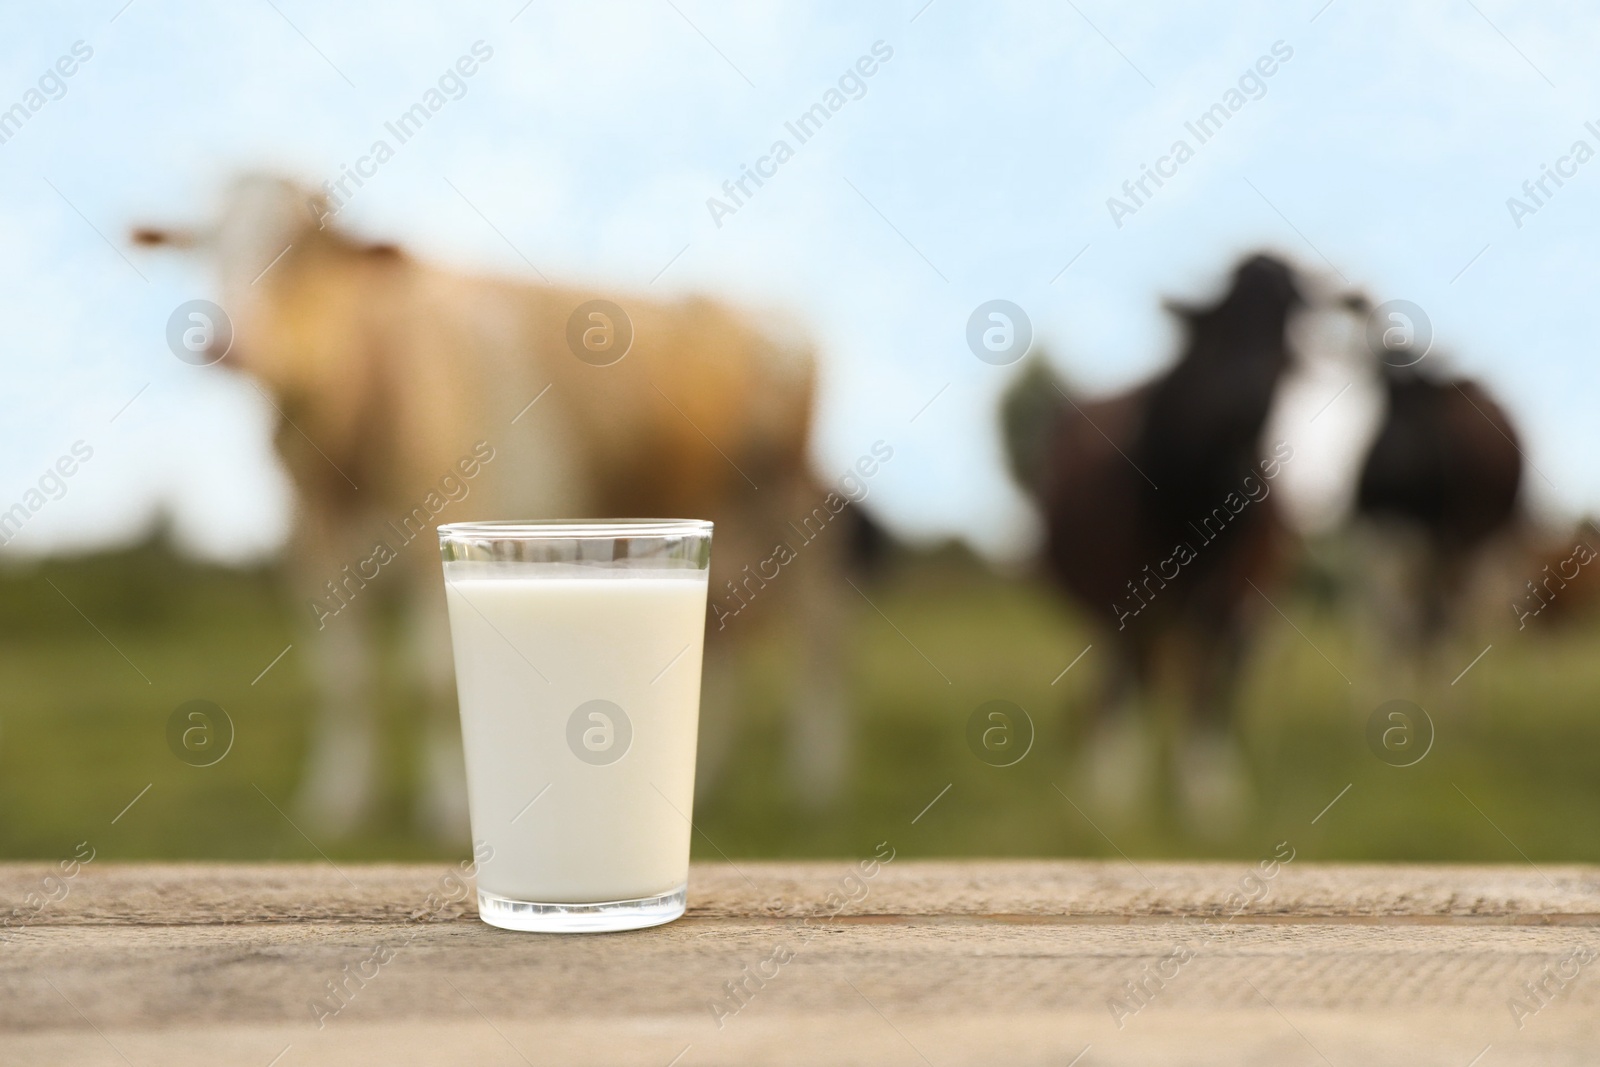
{"x": 563, "y": 529}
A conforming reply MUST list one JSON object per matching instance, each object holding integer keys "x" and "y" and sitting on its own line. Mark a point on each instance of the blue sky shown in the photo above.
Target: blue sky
{"x": 976, "y": 165}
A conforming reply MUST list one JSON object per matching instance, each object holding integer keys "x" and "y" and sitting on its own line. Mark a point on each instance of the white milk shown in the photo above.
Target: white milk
{"x": 599, "y": 831}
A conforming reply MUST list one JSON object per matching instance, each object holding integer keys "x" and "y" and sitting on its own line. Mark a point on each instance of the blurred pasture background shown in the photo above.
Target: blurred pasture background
{"x": 84, "y": 733}
{"x": 978, "y": 163}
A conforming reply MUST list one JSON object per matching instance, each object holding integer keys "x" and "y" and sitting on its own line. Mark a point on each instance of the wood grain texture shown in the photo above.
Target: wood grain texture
{"x": 936, "y": 962}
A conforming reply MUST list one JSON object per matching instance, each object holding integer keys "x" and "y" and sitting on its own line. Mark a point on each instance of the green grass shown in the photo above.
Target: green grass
{"x": 82, "y": 731}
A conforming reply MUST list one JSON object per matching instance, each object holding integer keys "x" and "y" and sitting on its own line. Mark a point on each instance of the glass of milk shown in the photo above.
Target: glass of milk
{"x": 577, "y": 651}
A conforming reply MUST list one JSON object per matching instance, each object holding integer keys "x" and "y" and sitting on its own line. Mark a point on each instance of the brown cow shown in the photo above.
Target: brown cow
{"x": 1158, "y": 519}
{"x": 410, "y": 395}
{"x": 1437, "y": 510}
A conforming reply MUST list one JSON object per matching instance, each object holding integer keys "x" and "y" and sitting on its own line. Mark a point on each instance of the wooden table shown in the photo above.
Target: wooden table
{"x": 925, "y": 962}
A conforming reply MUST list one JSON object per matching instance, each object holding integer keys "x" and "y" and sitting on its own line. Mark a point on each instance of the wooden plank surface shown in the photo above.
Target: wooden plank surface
{"x": 924, "y": 962}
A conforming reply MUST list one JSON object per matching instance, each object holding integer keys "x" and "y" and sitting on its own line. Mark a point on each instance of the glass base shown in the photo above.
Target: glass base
{"x": 527, "y": 915}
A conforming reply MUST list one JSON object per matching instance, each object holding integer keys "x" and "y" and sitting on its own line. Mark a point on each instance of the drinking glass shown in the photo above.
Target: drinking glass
{"x": 577, "y": 650}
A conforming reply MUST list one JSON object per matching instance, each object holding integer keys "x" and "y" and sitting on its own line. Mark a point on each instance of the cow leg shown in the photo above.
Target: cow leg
{"x": 729, "y": 626}
{"x": 337, "y": 790}
{"x": 800, "y": 593}
{"x": 1115, "y": 759}
{"x": 1393, "y": 586}
{"x": 440, "y": 805}
{"x": 804, "y": 603}
{"x": 1210, "y": 769}
{"x": 1449, "y": 623}
{"x": 719, "y": 714}
{"x": 818, "y": 722}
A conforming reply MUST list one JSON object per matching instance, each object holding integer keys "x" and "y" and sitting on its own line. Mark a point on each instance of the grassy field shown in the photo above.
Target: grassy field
{"x": 1511, "y": 776}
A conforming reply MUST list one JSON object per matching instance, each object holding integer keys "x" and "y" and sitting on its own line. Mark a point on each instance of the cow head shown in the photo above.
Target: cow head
{"x": 265, "y": 220}
{"x": 285, "y": 285}
{"x": 1247, "y": 327}
{"x": 263, "y": 215}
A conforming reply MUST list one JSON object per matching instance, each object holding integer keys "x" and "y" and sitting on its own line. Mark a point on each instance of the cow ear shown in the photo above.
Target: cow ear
{"x": 157, "y": 236}
{"x": 1178, "y": 309}
{"x": 149, "y": 236}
